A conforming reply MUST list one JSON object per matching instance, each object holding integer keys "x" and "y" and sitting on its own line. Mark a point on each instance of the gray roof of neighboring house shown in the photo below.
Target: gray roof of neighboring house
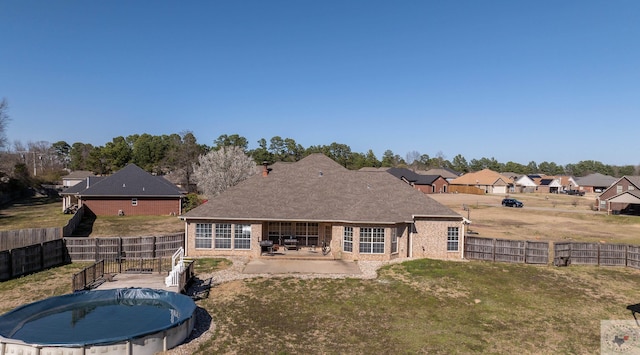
{"x": 412, "y": 176}
{"x": 596, "y": 179}
{"x": 318, "y": 189}
{"x": 78, "y": 174}
{"x": 130, "y": 181}
{"x": 77, "y": 188}
{"x": 445, "y": 172}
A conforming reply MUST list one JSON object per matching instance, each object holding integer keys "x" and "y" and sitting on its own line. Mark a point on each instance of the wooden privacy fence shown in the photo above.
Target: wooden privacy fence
{"x": 512, "y": 251}
{"x": 73, "y": 223}
{"x": 127, "y": 254}
{"x": 135, "y": 254}
{"x": 33, "y": 258}
{"x": 598, "y": 254}
{"x": 20, "y": 238}
{"x": 116, "y": 248}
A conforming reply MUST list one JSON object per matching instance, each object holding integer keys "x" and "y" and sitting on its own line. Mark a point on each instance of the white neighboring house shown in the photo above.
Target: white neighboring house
{"x": 525, "y": 184}
{"x": 76, "y": 177}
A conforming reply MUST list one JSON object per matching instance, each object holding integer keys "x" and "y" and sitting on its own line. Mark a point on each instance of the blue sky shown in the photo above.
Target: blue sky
{"x": 520, "y": 81}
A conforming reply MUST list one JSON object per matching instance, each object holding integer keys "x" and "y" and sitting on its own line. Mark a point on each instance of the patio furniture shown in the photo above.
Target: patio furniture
{"x": 266, "y": 245}
{"x": 291, "y": 244}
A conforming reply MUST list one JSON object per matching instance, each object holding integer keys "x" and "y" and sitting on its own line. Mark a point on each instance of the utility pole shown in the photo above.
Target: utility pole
{"x": 35, "y": 171}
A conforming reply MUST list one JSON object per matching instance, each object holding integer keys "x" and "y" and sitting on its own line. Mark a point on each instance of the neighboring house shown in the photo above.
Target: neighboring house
{"x": 448, "y": 174}
{"x": 595, "y": 182}
{"x": 523, "y": 183}
{"x": 548, "y": 184}
{"x": 429, "y": 184}
{"x": 362, "y": 215}
{"x": 488, "y": 180}
{"x": 76, "y": 177}
{"x": 130, "y": 191}
{"x": 568, "y": 183}
{"x": 623, "y": 196}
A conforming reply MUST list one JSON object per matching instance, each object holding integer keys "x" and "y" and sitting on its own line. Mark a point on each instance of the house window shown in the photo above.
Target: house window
{"x": 203, "y": 235}
{"x": 134, "y": 202}
{"x": 347, "y": 239}
{"x": 223, "y": 236}
{"x": 307, "y": 233}
{"x": 453, "y": 238}
{"x": 242, "y": 236}
{"x": 278, "y": 231}
{"x": 371, "y": 240}
{"x": 394, "y": 240}
{"x": 630, "y": 187}
{"x": 618, "y": 189}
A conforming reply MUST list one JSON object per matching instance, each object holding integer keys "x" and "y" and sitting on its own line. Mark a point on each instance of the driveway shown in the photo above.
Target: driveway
{"x": 281, "y": 266}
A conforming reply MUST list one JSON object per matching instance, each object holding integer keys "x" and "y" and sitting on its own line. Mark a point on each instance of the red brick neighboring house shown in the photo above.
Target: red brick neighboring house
{"x": 621, "y": 197}
{"x": 429, "y": 184}
{"x": 362, "y": 215}
{"x": 131, "y": 191}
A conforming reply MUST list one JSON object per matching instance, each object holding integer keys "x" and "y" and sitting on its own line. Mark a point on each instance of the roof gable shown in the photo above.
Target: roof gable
{"x": 318, "y": 189}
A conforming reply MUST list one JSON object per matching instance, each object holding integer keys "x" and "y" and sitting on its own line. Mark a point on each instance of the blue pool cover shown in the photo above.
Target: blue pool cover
{"x": 97, "y": 317}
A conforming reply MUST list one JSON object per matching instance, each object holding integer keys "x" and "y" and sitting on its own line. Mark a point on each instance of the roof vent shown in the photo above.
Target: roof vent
{"x": 320, "y": 174}
{"x": 124, "y": 185}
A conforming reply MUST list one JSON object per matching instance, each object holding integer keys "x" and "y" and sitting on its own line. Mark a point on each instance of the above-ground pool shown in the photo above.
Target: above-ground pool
{"x": 136, "y": 321}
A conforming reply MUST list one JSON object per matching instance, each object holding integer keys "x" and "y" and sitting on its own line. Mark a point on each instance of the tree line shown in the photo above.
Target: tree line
{"x": 177, "y": 153}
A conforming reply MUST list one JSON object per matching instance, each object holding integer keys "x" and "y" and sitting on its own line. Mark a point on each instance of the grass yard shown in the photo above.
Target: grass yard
{"x": 37, "y": 212}
{"x": 423, "y": 306}
{"x": 419, "y": 306}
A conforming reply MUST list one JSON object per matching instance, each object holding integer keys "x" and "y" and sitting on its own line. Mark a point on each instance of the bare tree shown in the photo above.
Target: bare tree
{"x": 220, "y": 169}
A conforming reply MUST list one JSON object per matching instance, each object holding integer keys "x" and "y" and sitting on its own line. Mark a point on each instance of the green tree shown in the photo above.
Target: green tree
{"x": 117, "y": 153}
{"x": 80, "y": 155}
{"x": 460, "y": 164}
{"x": 262, "y": 154}
{"x": 371, "y": 160}
{"x": 550, "y": 168}
{"x": 390, "y": 160}
{"x": 97, "y": 162}
{"x": 234, "y": 140}
{"x": 517, "y": 168}
{"x": 340, "y": 153}
{"x": 62, "y": 152}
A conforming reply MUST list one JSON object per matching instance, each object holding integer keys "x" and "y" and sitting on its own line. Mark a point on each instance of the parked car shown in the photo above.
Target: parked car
{"x": 512, "y": 202}
{"x": 575, "y": 192}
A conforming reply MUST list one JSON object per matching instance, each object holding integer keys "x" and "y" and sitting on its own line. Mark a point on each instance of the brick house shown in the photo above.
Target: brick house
{"x": 621, "y": 197}
{"x": 428, "y": 184}
{"x": 362, "y": 215}
{"x": 130, "y": 191}
{"x": 489, "y": 181}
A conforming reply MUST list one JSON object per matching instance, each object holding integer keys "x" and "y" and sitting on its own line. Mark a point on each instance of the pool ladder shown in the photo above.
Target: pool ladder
{"x": 177, "y": 268}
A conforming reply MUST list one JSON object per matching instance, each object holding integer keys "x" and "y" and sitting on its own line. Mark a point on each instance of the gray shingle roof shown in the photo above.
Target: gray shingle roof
{"x": 318, "y": 189}
{"x": 596, "y": 179}
{"x": 130, "y": 181}
{"x": 412, "y": 176}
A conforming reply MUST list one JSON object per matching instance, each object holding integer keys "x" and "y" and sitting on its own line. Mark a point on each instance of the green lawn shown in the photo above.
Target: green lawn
{"x": 425, "y": 306}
